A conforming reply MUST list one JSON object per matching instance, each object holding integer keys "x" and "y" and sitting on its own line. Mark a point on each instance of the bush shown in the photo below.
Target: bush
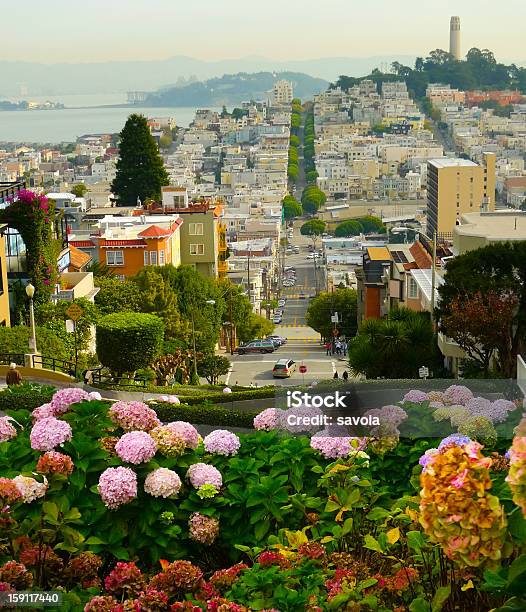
{"x": 26, "y": 396}
{"x": 16, "y": 340}
{"x": 204, "y": 414}
{"x": 216, "y": 397}
{"x": 129, "y": 341}
{"x": 212, "y": 367}
{"x": 348, "y": 228}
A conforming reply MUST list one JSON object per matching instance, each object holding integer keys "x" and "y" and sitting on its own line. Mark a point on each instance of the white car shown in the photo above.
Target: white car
{"x": 313, "y": 255}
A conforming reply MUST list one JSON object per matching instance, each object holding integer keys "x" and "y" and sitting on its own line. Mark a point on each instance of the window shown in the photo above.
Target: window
{"x": 412, "y": 289}
{"x": 153, "y": 258}
{"x": 161, "y": 258}
{"x": 197, "y": 249}
{"x": 114, "y": 258}
{"x": 121, "y": 277}
{"x": 145, "y": 258}
{"x": 195, "y": 229}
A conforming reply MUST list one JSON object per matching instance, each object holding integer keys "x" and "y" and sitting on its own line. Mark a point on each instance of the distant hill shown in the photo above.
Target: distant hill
{"x": 32, "y": 78}
{"x": 233, "y": 89}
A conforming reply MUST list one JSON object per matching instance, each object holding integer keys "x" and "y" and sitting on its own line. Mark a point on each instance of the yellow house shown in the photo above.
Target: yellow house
{"x": 4, "y": 292}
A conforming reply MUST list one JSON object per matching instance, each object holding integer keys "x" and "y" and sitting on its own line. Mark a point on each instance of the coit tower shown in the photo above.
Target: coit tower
{"x": 454, "y": 38}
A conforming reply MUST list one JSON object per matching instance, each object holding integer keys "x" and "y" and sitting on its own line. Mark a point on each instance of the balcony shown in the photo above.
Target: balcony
{"x": 222, "y": 267}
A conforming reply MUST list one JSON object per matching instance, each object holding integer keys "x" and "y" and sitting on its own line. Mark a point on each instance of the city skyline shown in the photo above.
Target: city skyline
{"x": 136, "y": 30}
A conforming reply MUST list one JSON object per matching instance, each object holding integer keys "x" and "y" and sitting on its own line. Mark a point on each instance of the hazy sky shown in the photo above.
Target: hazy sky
{"x": 98, "y": 30}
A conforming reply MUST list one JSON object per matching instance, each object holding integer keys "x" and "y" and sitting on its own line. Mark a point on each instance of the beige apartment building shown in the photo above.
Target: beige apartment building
{"x": 456, "y": 187}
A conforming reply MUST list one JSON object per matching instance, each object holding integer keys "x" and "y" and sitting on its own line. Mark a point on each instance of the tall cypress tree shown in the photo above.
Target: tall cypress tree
{"x": 140, "y": 169}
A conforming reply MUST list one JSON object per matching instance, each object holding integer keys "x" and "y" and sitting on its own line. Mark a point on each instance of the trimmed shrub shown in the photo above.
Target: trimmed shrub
{"x": 129, "y": 341}
{"x": 26, "y": 396}
{"x": 203, "y": 414}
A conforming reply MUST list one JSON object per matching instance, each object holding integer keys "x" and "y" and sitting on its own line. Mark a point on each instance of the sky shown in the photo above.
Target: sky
{"x": 52, "y": 31}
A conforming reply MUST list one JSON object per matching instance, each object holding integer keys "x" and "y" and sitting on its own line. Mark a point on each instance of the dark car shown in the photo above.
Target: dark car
{"x": 256, "y": 346}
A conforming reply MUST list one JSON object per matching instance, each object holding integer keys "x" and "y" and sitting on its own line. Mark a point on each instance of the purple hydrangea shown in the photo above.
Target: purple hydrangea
{"x": 186, "y": 431}
{"x": 415, "y": 396}
{"x": 266, "y": 420}
{"x": 117, "y": 486}
{"x": 427, "y": 457}
{"x": 200, "y": 474}
{"x": 64, "y": 398}
{"x": 454, "y": 439}
{"x": 457, "y": 394}
{"x": 303, "y": 419}
{"x": 221, "y": 442}
{"x": 7, "y": 431}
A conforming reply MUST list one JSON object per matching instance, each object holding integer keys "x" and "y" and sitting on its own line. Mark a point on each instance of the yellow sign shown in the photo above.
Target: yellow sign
{"x": 74, "y": 312}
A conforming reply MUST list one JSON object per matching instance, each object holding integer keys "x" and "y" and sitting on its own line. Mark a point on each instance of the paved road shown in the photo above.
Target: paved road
{"x": 248, "y": 369}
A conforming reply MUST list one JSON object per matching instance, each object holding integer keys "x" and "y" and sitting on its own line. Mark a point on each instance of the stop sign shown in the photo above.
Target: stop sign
{"x": 303, "y": 369}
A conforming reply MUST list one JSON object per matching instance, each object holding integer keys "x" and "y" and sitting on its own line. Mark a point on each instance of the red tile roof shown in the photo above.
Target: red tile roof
{"x": 154, "y": 231}
{"x": 86, "y": 244}
{"x": 122, "y": 243}
{"x": 422, "y": 257}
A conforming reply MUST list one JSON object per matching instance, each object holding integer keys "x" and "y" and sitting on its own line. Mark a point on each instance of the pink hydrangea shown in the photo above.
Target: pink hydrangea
{"x": 94, "y": 396}
{"x": 186, "y": 431}
{"x": 30, "y": 488}
{"x": 162, "y": 483}
{"x": 42, "y": 412}
{"x": 222, "y": 442}
{"x": 266, "y": 420}
{"x": 203, "y": 529}
{"x": 49, "y": 432}
{"x": 133, "y": 416}
{"x": 478, "y": 406}
{"x": 7, "y": 431}
{"x": 64, "y": 398}
{"x": 136, "y": 447}
{"x": 332, "y": 447}
{"x": 117, "y": 486}
{"x": 415, "y": 396}
{"x": 457, "y": 395}
{"x": 200, "y": 474}
{"x": 304, "y": 419}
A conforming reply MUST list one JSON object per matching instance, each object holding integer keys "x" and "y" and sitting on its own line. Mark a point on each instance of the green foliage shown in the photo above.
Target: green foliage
{"x": 100, "y": 270}
{"x": 321, "y": 307}
{"x": 212, "y": 367}
{"x": 158, "y": 297}
{"x": 254, "y": 326}
{"x": 140, "y": 169}
{"x": 26, "y": 396}
{"x": 372, "y": 224}
{"x": 313, "y": 227}
{"x": 128, "y": 341}
{"x": 311, "y": 176}
{"x": 292, "y": 208}
{"x": 394, "y": 347}
{"x": 117, "y": 296}
{"x": 16, "y": 340}
{"x": 312, "y": 198}
{"x": 294, "y": 141}
{"x": 79, "y": 190}
{"x": 351, "y": 227}
{"x": 204, "y": 413}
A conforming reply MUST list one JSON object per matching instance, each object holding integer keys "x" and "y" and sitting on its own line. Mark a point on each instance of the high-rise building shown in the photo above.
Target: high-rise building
{"x": 456, "y": 187}
{"x": 282, "y": 92}
{"x": 454, "y": 38}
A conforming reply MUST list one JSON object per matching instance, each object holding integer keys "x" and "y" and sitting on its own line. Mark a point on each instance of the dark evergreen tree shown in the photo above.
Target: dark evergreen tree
{"x": 140, "y": 169}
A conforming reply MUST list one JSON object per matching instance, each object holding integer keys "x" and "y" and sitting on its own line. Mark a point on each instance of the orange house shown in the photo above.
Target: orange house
{"x": 127, "y": 250}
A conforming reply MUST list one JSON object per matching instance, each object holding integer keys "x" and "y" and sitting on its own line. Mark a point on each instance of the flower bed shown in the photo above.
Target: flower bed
{"x": 120, "y": 512}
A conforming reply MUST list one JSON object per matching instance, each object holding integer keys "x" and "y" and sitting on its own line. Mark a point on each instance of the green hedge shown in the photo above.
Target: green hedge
{"x": 203, "y": 414}
{"x": 26, "y": 396}
{"x": 216, "y": 397}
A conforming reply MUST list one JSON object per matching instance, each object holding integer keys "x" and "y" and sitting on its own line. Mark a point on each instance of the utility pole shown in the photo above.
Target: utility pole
{"x": 433, "y": 277}
{"x": 248, "y": 276}
{"x": 231, "y": 315}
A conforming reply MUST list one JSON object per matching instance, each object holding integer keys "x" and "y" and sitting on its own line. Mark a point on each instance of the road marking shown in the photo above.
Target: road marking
{"x": 333, "y": 367}
{"x": 228, "y": 374}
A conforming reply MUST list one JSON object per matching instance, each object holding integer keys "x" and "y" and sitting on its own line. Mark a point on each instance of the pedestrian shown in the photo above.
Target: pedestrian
{"x": 336, "y": 375}
{"x": 327, "y": 348}
{"x": 345, "y": 375}
{"x": 345, "y": 346}
{"x": 13, "y": 376}
{"x": 338, "y": 347}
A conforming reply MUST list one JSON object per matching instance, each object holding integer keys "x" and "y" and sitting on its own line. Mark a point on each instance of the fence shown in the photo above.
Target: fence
{"x": 41, "y": 361}
{"x": 102, "y": 378}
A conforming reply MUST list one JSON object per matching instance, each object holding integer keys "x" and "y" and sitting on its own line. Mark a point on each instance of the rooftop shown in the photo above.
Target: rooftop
{"x": 379, "y": 254}
{"x": 449, "y": 162}
{"x": 500, "y": 225}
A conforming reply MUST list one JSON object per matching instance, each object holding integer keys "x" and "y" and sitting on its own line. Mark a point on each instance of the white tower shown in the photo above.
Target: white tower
{"x": 454, "y": 38}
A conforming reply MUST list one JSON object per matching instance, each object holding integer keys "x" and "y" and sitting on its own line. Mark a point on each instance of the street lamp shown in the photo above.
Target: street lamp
{"x": 30, "y": 292}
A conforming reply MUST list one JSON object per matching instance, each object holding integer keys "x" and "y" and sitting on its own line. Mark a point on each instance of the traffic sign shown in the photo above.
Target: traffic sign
{"x": 303, "y": 369}
{"x": 74, "y": 312}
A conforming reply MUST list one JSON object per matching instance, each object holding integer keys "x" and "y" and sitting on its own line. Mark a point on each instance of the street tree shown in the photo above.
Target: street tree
{"x": 313, "y": 227}
{"x": 117, "y": 296}
{"x": 140, "y": 169}
{"x": 352, "y": 227}
{"x": 79, "y": 190}
{"x": 212, "y": 367}
{"x": 322, "y": 307}
{"x": 292, "y": 208}
{"x": 312, "y": 198}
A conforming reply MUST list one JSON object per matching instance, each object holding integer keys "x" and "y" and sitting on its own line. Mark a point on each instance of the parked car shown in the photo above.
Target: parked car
{"x": 277, "y": 319}
{"x": 275, "y": 342}
{"x": 281, "y": 339}
{"x": 302, "y": 296}
{"x": 256, "y": 346}
{"x": 283, "y": 368}
{"x": 282, "y": 302}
